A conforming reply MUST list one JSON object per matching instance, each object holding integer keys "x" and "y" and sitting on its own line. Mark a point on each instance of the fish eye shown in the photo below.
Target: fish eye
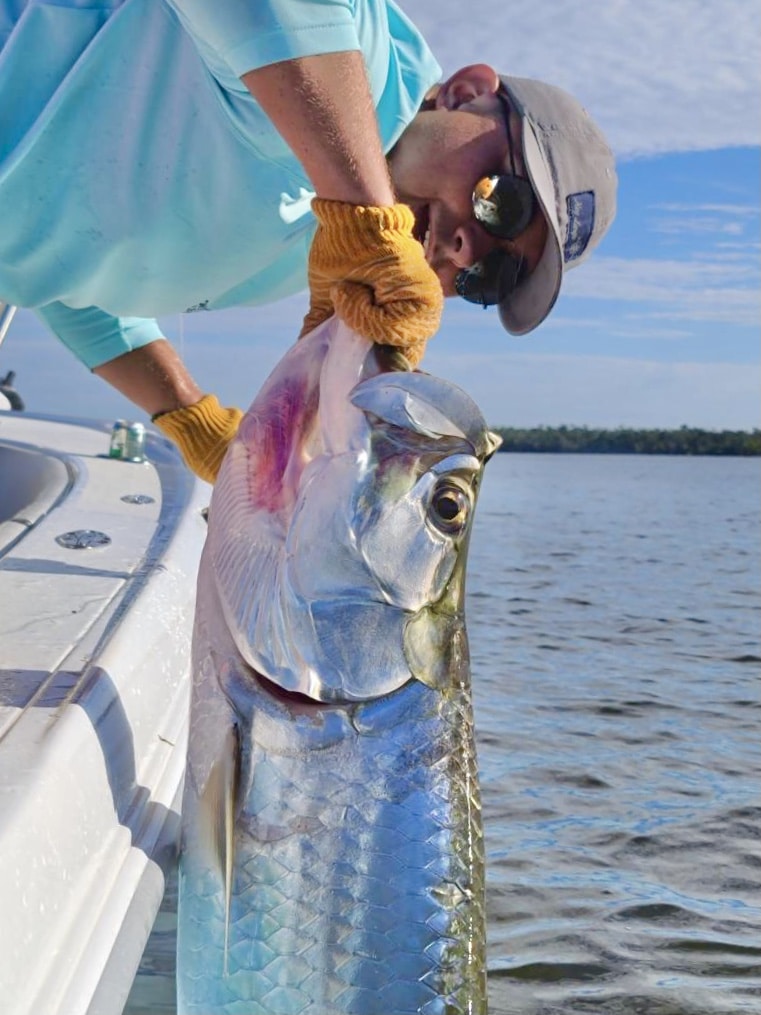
{"x": 449, "y": 508}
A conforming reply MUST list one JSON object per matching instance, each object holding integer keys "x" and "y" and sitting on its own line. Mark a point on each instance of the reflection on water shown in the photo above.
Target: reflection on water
{"x": 614, "y": 626}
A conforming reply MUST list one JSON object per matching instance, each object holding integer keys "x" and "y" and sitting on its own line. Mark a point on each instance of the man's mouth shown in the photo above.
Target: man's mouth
{"x": 422, "y": 226}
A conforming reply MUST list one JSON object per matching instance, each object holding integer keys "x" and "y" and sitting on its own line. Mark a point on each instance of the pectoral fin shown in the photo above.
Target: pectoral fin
{"x": 217, "y": 808}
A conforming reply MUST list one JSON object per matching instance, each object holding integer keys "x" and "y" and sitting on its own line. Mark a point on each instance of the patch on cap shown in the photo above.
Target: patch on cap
{"x": 581, "y": 223}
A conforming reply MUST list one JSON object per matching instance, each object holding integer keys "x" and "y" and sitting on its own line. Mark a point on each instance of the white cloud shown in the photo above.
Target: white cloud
{"x": 630, "y": 326}
{"x": 737, "y": 250}
{"x": 743, "y": 211}
{"x": 698, "y": 290}
{"x": 658, "y": 76}
{"x": 705, "y": 220}
{"x": 696, "y": 227}
{"x": 522, "y": 389}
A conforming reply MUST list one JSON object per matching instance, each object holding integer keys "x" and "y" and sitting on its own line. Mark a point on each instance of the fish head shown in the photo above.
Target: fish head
{"x": 340, "y": 521}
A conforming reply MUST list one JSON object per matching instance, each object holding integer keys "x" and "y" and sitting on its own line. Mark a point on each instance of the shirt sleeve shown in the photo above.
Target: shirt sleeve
{"x": 248, "y": 34}
{"x": 96, "y": 337}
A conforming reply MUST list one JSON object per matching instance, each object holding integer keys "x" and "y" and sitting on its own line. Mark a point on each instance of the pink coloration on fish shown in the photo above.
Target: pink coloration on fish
{"x": 273, "y": 435}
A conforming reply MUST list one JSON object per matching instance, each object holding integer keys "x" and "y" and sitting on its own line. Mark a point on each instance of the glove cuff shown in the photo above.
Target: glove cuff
{"x": 350, "y": 228}
{"x": 202, "y": 432}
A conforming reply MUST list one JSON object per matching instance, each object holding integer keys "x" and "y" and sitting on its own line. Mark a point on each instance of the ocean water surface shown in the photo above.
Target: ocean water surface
{"x": 613, "y": 612}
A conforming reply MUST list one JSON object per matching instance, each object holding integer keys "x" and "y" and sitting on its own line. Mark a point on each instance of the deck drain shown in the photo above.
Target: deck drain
{"x": 83, "y": 539}
{"x": 138, "y": 498}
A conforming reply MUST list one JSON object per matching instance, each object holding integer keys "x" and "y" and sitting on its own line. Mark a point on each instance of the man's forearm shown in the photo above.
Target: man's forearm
{"x": 323, "y": 109}
{"x": 152, "y": 377}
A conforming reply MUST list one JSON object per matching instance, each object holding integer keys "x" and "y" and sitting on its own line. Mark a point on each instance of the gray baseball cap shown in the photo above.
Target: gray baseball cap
{"x": 573, "y": 175}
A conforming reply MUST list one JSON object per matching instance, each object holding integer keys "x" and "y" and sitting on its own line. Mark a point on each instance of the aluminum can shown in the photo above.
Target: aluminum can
{"x": 127, "y": 441}
{"x": 118, "y": 439}
{"x": 135, "y": 443}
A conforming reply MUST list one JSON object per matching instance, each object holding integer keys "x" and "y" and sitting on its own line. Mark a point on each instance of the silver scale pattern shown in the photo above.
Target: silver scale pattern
{"x": 359, "y": 867}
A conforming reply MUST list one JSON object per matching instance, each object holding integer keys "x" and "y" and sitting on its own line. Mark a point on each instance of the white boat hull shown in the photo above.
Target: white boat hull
{"x": 94, "y": 686}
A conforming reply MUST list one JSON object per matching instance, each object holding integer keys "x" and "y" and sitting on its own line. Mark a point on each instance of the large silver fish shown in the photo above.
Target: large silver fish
{"x": 332, "y": 855}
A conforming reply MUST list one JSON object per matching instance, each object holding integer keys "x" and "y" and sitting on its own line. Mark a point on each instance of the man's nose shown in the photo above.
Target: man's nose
{"x": 466, "y": 245}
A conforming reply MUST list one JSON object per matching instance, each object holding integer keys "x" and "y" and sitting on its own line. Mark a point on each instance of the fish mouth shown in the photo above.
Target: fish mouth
{"x": 296, "y": 701}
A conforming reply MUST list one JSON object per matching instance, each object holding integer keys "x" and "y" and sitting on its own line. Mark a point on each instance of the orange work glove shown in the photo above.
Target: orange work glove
{"x": 366, "y": 265}
{"x": 202, "y": 432}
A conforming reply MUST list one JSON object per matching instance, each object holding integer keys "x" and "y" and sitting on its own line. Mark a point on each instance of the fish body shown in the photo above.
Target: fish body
{"x": 332, "y": 857}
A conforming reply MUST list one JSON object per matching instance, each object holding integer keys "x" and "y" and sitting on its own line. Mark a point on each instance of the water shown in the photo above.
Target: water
{"x": 614, "y": 623}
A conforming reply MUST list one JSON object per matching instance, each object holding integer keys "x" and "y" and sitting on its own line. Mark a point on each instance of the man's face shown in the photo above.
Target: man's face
{"x": 435, "y": 166}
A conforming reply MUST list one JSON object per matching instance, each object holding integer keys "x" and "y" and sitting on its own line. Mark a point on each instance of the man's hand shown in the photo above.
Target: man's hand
{"x": 202, "y": 432}
{"x": 366, "y": 266}
{"x": 364, "y": 263}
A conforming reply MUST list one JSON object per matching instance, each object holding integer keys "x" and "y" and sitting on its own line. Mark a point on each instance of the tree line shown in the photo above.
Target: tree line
{"x": 626, "y": 441}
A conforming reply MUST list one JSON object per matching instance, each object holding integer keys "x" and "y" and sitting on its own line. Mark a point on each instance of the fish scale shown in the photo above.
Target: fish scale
{"x": 354, "y": 886}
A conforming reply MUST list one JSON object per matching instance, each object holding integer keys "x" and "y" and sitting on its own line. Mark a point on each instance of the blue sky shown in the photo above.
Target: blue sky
{"x": 659, "y": 328}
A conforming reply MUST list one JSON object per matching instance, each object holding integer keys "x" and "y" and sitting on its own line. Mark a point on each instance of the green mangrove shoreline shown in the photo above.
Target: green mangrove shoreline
{"x": 626, "y": 441}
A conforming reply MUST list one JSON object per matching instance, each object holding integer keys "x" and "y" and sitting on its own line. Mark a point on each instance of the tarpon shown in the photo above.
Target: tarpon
{"x": 332, "y": 856}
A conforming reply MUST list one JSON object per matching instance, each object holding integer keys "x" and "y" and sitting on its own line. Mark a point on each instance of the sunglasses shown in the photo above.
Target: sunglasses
{"x": 504, "y": 205}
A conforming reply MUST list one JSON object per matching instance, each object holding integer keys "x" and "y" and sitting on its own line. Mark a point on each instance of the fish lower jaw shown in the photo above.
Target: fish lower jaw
{"x": 297, "y": 701}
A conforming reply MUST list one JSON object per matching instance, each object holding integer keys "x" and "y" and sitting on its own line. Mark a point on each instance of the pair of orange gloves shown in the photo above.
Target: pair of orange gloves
{"x": 366, "y": 266}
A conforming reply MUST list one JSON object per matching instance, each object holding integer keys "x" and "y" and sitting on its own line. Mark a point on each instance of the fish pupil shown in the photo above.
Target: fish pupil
{"x": 448, "y": 507}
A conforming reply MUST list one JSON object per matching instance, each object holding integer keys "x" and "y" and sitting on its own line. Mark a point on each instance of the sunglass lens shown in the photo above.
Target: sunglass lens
{"x": 504, "y": 205}
{"x": 489, "y": 281}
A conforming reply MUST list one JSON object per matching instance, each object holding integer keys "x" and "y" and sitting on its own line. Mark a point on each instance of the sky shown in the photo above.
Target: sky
{"x": 659, "y": 328}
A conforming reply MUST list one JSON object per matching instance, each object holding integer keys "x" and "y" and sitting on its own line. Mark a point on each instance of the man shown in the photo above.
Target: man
{"x": 162, "y": 156}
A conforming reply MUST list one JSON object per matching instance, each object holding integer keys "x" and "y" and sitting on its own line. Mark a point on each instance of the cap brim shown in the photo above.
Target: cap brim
{"x": 530, "y": 302}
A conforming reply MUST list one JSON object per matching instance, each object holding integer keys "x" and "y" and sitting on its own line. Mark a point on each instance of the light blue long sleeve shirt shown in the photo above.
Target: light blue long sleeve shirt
{"x": 138, "y": 177}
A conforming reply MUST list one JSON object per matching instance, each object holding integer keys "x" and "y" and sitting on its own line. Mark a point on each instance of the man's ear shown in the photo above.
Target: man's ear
{"x": 467, "y": 84}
